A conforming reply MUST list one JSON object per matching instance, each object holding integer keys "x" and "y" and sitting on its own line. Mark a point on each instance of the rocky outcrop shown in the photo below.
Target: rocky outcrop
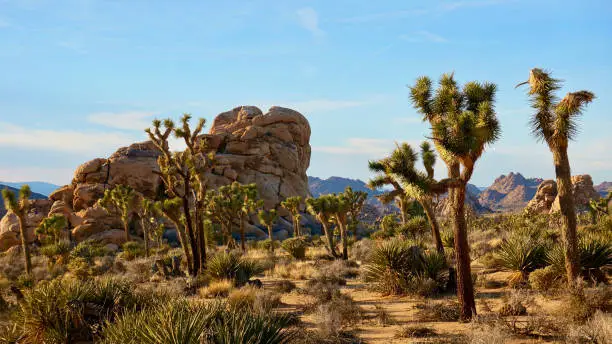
{"x": 271, "y": 150}
{"x": 16, "y": 191}
{"x": 604, "y": 188}
{"x": 9, "y": 225}
{"x": 543, "y": 199}
{"x": 583, "y": 191}
{"x": 472, "y": 205}
{"x": 509, "y": 192}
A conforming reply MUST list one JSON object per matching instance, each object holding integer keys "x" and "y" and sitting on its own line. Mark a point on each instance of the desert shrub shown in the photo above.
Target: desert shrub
{"x": 333, "y": 316}
{"x": 56, "y": 252}
{"x": 597, "y": 330}
{"x": 438, "y": 311}
{"x": 132, "y": 250}
{"x": 396, "y": 267}
{"x": 414, "y": 227}
{"x": 266, "y": 301}
{"x": 88, "y": 250}
{"x": 284, "y": 286}
{"x": 293, "y": 270}
{"x": 219, "y": 288}
{"x": 516, "y": 303}
{"x": 339, "y": 269}
{"x": 595, "y": 257}
{"x": 521, "y": 254}
{"x": 63, "y": 312}
{"x": 296, "y": 247}
{"x": 414, "y": 331}
{"x": 579, "y": 303}
{"x": 242, "y": 298}
{"x": 543, "y": 279}
{"x": 25, "y": 281}
{"x": 10, "y": 333}
{"x": 232, "y": 267}
{"x": 267, "y": 243}
{"x": 361, "y": 249}
{"x": 487, "y": 333}
{"x": 180, "y": 322}
{"x": 79, "y": 267}
{"x": 383, "y": 317}
{"x": 448, "y": 238}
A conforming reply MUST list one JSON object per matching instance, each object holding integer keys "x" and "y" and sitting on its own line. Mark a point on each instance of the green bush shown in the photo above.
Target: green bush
{"x": 397, "y": 267}
{"x": 132, "y": 250}
{"x": 543, "y": 279}
{"x": 265, "y": 244}
{"x": 56, "y": 252}
{"x": 595, "y": 257}
{"x": 448, "y": 238}
{"x": 178, "y": 322}
{"x": 233, "y": 267}
{"x": 296, "y": 247}
{"x": 88, "y": 250}
{"x": 414, "y": 227}
{"x": 522, "y": 254}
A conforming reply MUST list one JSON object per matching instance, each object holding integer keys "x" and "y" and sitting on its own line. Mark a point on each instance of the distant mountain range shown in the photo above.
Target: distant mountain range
{"x": 604, "y": 188}
{"x": 42, "y": 188}
{"x": 35, "y": 195}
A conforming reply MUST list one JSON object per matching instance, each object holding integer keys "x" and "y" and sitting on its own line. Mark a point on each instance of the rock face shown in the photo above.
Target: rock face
{"x": 604, "y": 188}
{"x": 583, "y": 191}
{"x": 546, "y": 199}
{"x": 271, "y": 150}
{"x": 509, "y": 192}
{"x": 9, "y": 226}
{"x": 472, "y": 205}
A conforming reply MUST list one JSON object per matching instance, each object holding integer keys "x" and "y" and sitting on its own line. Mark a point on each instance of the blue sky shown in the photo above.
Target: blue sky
{"x": 80, "y": 78}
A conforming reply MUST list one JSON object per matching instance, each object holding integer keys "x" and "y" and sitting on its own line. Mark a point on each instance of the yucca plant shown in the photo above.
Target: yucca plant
{"x": 522, "y": 255}
{"x": 595, "y": 258}
{"x": 296, "y": 247}
{"x": 393, "y": 266}
{"x": 232, "y": 266}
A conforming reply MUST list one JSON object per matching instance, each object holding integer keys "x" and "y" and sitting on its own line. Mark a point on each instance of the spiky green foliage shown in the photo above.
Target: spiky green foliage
{"x": 233, "y": 267}
{"x": 595, "y": 257}
{"x": 178, "y": 322}
{"x": 67, "y": 312}
{"x": 522, "y": 255}
{"x": 88, "y": 250}
{"x": 292, "y": 204}
{"x": 268, "y": 218}
{"x": 51, "y": 228}
{"x": 296, "y": 247}
{"x": 600, "y": 208}
{"x": 150, "y": 213}
{"x": 184, "y": 177}
{"x": 123, "y": 201}
{"x": 20, "y": 207}
{"x": 397, "y": 267}
{"x": 356, "y": 201}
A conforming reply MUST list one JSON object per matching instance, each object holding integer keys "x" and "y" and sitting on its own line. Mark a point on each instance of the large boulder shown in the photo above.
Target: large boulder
{"x": 544, "y": 197}
{"x": 583, "y": 190}
{"x": 10, "y": 234}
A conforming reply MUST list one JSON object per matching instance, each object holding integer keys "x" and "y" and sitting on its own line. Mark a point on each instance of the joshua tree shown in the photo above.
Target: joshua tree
{"x": 183, "y": 174}
{"x": 250, "y": 204}
{"x": 398, "y": 171}
{"x": 292, "y": 204}
{"x": 122, "y": 200}
{"x": 173, "y": 209}
{"x": 20, "y": 208}
{"x": 355, "y": 200}
{"x": 463, "y": 123}
{"x": 321, "y": 208}
{"x": 339, "y": 207}
{"x": 52, "y": 227}
{"x": 149, "y": 213}
{"x": 268, "y": 218}
{"x": 600, "y": 208}
{"x": 555, "y": 122}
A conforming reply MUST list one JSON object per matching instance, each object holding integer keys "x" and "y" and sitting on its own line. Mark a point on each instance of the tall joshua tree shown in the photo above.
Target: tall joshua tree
{"x": 20, "y": 207}
{"x": 398, "y": 171}
{"x": 268, "y": 218}
{"x": 121, "y": 200}
{"x": 183, "y": 174}
{"x": 463, "y": 123}
{"x": 322, "y": 209}
{"x": 555, "y": 122}
{"x": 149, "y": 212}
{"x": 339, "y": 208}
{"x": 292, "y": 204}
{"x": 250, "y": 204}
{"x": 355, "y": 200}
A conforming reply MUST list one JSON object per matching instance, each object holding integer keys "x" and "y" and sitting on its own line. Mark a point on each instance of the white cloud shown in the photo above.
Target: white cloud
{"x": 424, "y": 36}
{"x": 360, "y": 146}
{"x": 130, "y": 120}
{"x": 92, "y": 143}
{"x": 309, "y": 20}
{"x": 322, "y": 105}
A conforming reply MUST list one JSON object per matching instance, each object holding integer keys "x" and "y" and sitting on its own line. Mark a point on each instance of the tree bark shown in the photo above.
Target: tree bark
{"x": 568, "y": 212}
{"x": 242, "y": 236}
{"x": 183, "y": 241}
{"x": 190, "y": 233}
{"x": 271, "y": 237}
{"x": 24, "y": 245}
{"x": 433, "y": 222}
{"x": 465, "y": 289}
{"x": 344, "y": 240}
{"x": 126, "y": 229}
{"x": 145, "y": 233}
{"x": 199, "y": 220}
{"x": 330, "y": 240}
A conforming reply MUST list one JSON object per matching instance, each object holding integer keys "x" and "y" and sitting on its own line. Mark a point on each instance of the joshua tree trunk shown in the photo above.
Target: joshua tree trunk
{"x": 568, "y": 212}
{"x": 330, "y": 240}
{"x": 271, "y": 237}
{"x": 242, "y": 236}
{"x": 344, "y": 240}
{"x": 433, "y": 222}
{"x": 126, "y": 229}
{"x": 402, "y": 207}
{"x": 180, "y": 231}
{"x": 195, "y": 266}
{"x": 24, "y": 245}
{"x": 145, "y": 233}
{"x": 201, "y": 234}
{"x": 465, "y": 289}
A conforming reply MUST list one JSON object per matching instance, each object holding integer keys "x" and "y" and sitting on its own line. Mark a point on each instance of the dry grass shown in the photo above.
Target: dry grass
{"x": 597, "y": 330}
{"x": 414, "y": 331}
{"x": 438, "y": 311}
{"x": 293, "y": 270}
{"x": 220, "y": 288}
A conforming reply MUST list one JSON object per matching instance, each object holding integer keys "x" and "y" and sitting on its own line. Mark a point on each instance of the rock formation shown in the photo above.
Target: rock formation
{"x": 271, "y": 150}
{"x": 546, "y": 199}
{"x": 509, "y": 192}
{"x": 604, "y": 188}
{"x": 472, "y": 205}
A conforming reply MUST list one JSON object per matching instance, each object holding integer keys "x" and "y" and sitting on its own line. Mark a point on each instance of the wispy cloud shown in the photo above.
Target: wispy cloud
{"x": 91, "y": 143}
{"x": 309, "y": 20}
{"x": 359, "y": 146}
{"x": 130, "y": 120}
{"x": 424, "y": 36}
{"x": 59, "y": 176}
{"x": 384, "y": 16}
{"x": 323, "y": 105}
